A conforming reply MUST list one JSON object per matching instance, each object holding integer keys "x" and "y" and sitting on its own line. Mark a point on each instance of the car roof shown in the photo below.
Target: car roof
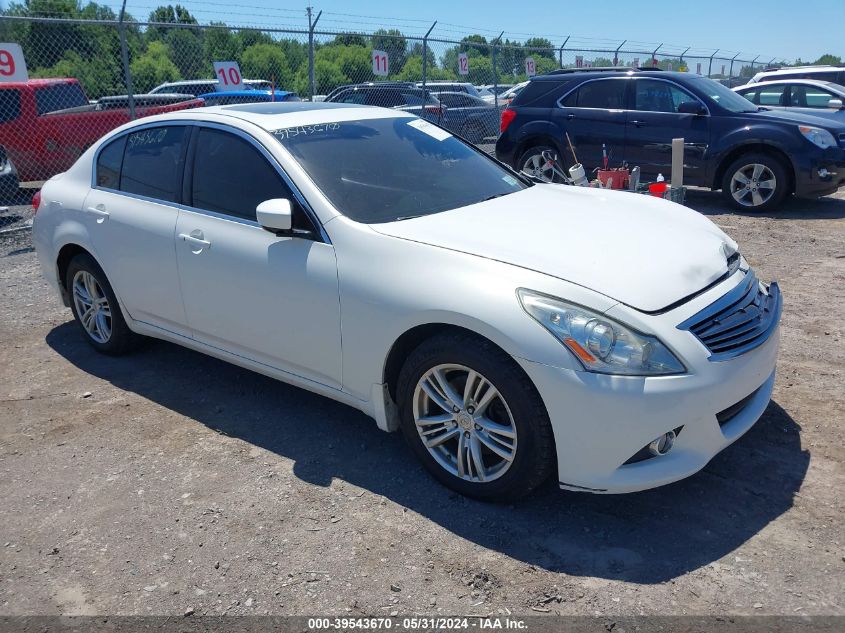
{"x": 278, "y": 115}
{"x": 599, "y": 74}
{"x": 243, "y": 93}
{"x": 806, "y": 82}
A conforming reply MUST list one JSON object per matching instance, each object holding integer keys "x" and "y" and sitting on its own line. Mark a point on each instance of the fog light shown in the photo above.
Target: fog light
{"x": 662, "y": 444}
{"x": 824, "y": 173}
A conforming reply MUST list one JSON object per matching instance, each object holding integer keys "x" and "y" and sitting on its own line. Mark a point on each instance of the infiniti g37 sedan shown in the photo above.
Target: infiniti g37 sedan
{"x": 510, "y": 328}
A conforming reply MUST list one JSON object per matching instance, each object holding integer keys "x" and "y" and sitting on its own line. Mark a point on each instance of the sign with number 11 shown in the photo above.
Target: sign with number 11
{"x": 379, "y": 63}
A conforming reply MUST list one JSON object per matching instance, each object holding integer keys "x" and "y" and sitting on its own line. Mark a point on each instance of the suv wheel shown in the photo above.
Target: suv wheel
{"x": 474, "y": 418}
{"x": 531, "y": 162}
{"x": 755, "y": 182}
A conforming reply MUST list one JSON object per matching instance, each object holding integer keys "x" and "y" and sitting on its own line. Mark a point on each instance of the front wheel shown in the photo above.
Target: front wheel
{"x": 755, "y": 182}
{"x": 474, "y": 418}
{"x": 533, "y": 164}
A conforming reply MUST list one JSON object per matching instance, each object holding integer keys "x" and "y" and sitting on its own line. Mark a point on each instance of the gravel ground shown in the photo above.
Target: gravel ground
{"x": 169, "y": 481}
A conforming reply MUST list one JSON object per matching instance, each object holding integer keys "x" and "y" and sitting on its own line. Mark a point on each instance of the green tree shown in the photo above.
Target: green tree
{"x": 248, "y": 37}
{"x": 221, "y": 45}
{"x": 154, "y": 67}
{"x": 828, "y": 60}
{"x": 168, "y": 14}
{"x": 187, "y": 53}
{"x": 268, "y": 62}
{"x": 540, "y": 47}
{"x": 349, "y": 39}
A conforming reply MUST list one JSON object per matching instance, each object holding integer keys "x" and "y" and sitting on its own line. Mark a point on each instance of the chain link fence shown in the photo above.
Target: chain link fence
{"x": 89, "y": 75}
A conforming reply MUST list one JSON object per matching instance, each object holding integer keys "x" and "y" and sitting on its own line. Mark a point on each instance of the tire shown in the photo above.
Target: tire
{"x": 514, "y": 407}
{"x": 741, "y": 183}
{"x": 532, "y": 159}
{"x": 107, "y": 331}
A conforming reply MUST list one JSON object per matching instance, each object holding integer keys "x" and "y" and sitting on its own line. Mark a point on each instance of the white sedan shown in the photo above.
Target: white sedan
{"x": 511, "y": 329}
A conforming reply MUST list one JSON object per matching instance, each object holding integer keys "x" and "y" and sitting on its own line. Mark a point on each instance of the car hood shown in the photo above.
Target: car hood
{"x": 641, "y": 251}
{"x": 801, "y": 117}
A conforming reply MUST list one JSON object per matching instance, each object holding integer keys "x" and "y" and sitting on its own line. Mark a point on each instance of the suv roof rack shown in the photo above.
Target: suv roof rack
{"x": 598, "y": 69}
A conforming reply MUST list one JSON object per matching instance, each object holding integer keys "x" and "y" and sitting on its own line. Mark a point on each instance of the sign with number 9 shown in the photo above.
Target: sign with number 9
{"x": 12, "y": 64}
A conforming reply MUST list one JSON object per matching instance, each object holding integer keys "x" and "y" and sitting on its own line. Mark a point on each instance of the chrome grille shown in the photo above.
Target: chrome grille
{"x": 738, "y": 322}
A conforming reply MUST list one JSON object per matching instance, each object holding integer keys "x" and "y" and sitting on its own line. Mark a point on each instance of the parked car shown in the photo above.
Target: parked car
{"x": 45, "y": 124}
{"x": 489, "y": 92}
{"x": 196, "y": 87}
{"x": 510, "y": 329}
{"x": 498, "y": 88}
{"x": 833, "y": 74}
{"x": 121, "y": 102}
{"x": 437, "y": 87}
{"x": 810, "y": 96}
{"x": 390, "y": 94}
{"x": 471, "y": 117}
{"x": 509, "y": 95}
{"x": 247, "y": 96}
{"x": 755, "y": 157}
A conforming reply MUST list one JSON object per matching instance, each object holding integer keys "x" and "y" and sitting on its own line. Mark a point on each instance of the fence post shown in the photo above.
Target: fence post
{"x": 425, "y": 54}
{"x": 710, "y": 67}
{"x": 752, "y": 63}
{"x": 311, "y": 26}
{"x": 616, "y": 54}
{"x": 495, "y": 73}
{"x": 731, "y": 73}
{"x": 682, "y": 58}
{"x": 562, "y": 46}
{"x": 124, "y": 54}
{"x": 654, "y": 56}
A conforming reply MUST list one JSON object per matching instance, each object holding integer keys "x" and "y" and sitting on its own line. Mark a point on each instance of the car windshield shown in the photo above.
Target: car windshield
{"x": 395, "y": 168}
{"x": 722, "y": 95}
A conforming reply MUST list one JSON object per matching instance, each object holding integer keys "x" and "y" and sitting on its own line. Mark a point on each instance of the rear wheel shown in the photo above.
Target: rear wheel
{"x": 755, "y": 182}
{"x": 95, "y": 307}
{"x": 474, "y": 418}
{"x": 533, "y": 164}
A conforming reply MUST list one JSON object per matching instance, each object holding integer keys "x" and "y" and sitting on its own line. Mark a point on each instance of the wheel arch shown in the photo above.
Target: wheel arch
{"x": 748, "y": 148}
{"x": 535, "y": 138}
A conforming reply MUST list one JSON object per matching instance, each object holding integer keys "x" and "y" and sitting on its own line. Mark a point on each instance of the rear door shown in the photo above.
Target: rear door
{"x": 594, "y": 115}
{"x": 130, "y": 214}
{"x": 654, "y": 121}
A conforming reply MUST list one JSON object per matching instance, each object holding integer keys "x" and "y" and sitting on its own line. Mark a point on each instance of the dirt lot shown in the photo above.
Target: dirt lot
{"x": 168, "y": 481}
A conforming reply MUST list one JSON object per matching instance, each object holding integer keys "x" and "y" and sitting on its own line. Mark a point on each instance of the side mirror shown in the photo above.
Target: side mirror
{"x": 275, "y": 215}
{"x": 691, "y": 107}
{"x": 835, "y": 103}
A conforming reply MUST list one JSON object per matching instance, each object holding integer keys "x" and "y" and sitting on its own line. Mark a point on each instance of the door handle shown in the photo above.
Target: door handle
{"x": 638, "y": 123}
{"x": 100, "y": 212}
{"x": 195, "y": 240}
{"x": 570, "y": 116}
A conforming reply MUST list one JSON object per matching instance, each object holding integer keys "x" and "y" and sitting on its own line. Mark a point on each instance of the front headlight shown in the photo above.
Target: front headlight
{"x": 601, "y": 344}
{"x": 817, "y": 136}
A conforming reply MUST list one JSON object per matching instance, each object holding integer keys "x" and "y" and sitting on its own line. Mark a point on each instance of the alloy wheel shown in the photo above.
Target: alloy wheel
{"x": 92, "y": 306}
{"x": 536, "y": 166}
{"x": 464, "y": 423}
{"x": 753, "y": 185}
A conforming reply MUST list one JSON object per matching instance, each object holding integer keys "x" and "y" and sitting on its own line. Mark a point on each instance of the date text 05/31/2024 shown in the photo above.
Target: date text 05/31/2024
{"x": 417, "y": 623}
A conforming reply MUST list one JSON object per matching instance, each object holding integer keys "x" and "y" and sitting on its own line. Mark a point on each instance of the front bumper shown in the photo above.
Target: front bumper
{"x": 820, "y": 174}
{"x": 600, "y": 422}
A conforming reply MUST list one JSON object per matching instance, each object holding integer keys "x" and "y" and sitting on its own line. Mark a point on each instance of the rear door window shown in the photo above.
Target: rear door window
{"x": 809, "y": 97}
{"x": 59, "y": 97}
{"x": 605, "y": 94}
{"x": 10, "y": 105}
{"x": 152, "y": 162}
{"x": 232, "y": 177}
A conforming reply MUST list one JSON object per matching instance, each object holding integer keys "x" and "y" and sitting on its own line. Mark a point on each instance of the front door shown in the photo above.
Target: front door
{"x": 654, "y": 121}
{"x": 272, "y": 299}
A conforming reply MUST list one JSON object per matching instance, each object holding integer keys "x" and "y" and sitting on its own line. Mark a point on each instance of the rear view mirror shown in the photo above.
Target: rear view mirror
{"x": 691, "y": 107}
{"x": 275, "y": 215}
{"x": 835, "y": 103}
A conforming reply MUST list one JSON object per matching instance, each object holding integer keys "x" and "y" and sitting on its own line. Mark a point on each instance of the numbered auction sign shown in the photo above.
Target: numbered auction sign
{"x": 579, "y": 61}
{"x": 12, "y": 64}
{"x": 228, "y": 76}
{"x": 380, "y": 63}
{"x": 463, "y": 64}
{"x": 530, "y": 70}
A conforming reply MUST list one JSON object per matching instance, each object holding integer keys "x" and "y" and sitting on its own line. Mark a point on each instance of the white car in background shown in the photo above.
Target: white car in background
{"x": 512, "y": 329}
{"x": 833, "y": 74}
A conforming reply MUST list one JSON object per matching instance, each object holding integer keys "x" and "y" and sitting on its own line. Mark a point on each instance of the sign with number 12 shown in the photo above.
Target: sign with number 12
{"x": 12, "y": 64}
{"x": 463, "y": 64}
{"x": 228, "y": 76}
{"x": 379, "y": 63}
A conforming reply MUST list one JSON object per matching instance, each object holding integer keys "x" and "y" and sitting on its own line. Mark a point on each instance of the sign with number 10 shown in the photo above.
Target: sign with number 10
{"x": 228, "y": 76}
{"x": 12, "y": 64}
{"x": 379, "y": 63}
{"x": 463, "y": 64}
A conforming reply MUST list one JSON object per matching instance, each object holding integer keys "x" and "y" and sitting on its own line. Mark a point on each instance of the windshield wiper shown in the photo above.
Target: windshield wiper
{"x": 495, "y": 195}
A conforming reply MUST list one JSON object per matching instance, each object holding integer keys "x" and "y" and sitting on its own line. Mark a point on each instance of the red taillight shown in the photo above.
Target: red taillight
{"x": 434, "y": 110}
{"x": 36, "y": 200}
{"x": 507, "y": 116}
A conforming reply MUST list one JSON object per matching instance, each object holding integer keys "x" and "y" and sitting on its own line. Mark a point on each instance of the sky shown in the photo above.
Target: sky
{"x": 775, "y": 28}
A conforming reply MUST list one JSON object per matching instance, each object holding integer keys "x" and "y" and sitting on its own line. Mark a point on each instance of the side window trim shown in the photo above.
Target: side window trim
{"x": 633, "y": 93}
{"x": 625, "y": 98}
{"x": 316, "y": 225}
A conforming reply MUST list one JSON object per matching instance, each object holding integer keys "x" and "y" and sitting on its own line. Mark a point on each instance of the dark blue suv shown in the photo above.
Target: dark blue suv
{"x": 755, "y": 156}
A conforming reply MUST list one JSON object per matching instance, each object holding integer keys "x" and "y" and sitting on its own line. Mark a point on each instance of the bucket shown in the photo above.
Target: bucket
{"x": 576, "y": 172}
{"x": 658, "y": 189}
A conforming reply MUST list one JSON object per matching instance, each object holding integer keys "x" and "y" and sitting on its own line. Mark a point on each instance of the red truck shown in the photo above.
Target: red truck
{"x": 45, "y": 124}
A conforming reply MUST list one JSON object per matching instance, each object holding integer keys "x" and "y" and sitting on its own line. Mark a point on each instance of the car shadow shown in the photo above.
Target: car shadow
{"x": 825, "y": 208}
{"x": 647, "y": 537}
